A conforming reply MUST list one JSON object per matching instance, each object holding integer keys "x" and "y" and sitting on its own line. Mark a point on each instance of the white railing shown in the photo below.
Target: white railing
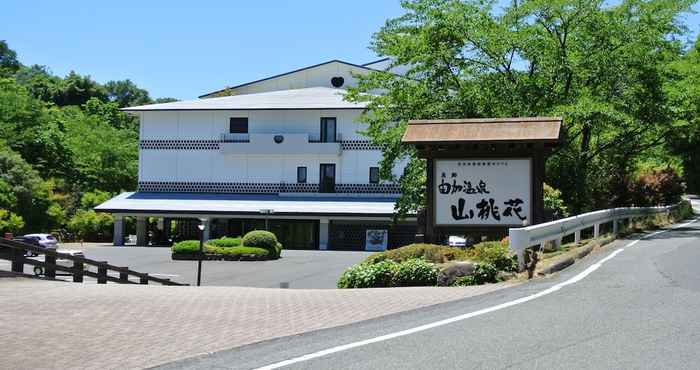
{"x": 525, "y": 237}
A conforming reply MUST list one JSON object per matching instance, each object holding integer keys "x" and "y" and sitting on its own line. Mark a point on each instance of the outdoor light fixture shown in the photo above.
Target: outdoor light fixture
{"x": 202, "y": 226}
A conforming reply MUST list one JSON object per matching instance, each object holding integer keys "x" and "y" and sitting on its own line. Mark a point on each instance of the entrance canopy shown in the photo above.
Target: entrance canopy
{"x": 246, "y": 204}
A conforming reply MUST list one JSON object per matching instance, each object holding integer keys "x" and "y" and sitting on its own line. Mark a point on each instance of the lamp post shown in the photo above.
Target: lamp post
{"x": 202, "y": 226}
{"x": 267, "y": 213}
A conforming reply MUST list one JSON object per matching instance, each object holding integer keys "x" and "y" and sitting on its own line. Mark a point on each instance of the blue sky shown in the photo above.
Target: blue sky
{"x": 183, "y": 49}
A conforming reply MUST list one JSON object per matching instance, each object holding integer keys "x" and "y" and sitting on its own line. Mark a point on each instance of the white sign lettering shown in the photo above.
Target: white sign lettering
{"x": 489, "y": 191}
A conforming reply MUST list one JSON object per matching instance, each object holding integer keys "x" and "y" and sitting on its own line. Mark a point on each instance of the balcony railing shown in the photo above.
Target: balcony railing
{"x": 316, "y": 138}
{"x": 235, "y": 138}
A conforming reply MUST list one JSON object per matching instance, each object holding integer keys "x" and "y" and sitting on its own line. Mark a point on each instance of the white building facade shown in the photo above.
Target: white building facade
{"x": 284, "y": 153}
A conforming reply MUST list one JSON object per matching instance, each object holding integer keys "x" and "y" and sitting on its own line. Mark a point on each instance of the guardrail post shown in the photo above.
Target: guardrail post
{"x": 50, "y": 269}
{"x": 143, "y": 279}
{"x": 102, "y": 273}
{"x": 614, "y": 223}
{"x": 124, "y": 275}
{"x": 577, "y": 236}
{"x": 596, "y": 231}
{"x": 17, "y": 260}
{"x": 518, "y": 241}
{"x": 78, "y": 271}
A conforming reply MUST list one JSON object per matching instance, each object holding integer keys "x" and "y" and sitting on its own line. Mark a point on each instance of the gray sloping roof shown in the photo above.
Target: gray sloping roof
{"x": 203, "y": 203}
{"x": 307, "y": 98}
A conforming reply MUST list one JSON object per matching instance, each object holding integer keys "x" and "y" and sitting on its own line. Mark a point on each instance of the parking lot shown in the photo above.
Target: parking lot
{"x": 301, "y": 269}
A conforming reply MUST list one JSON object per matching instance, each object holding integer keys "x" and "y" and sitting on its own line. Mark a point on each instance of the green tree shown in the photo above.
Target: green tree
{"x": 599, "y": 66}
{"x": 10, "y": 222}
{"x": 8, "y": 60}
{"x": 126, "y": 94}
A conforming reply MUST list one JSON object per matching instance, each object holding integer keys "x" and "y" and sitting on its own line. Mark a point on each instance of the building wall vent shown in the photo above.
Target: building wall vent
{"x": 337, "y": 81}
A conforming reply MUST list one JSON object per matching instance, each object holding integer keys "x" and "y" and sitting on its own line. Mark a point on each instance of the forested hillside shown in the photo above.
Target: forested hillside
{"x": 64, "y": 147}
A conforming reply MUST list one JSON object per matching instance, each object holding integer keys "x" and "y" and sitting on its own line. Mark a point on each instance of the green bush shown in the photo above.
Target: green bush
{"x": 366, "y": 275}
{"x": 263, "y": 239}
{"x": 225, "y": 242}
{"x": 554, "y": 206}
{"x": 415, "y": 272}
{"x": 483, "y": 273}
{"x": 494, "y": 253}
{"x": 186, "y": 246}
{"x": 657, "y": 187}
{"x": 238, "y": 251}
{"x": 429, "y": 252}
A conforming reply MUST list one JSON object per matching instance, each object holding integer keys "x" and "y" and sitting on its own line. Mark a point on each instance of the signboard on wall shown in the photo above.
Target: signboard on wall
{"x": 376, "y": 240}
{"x": 482, "y": 192}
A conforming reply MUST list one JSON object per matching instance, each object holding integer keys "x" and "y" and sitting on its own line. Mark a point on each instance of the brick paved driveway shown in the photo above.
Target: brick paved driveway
{"x": 128, "y": 327}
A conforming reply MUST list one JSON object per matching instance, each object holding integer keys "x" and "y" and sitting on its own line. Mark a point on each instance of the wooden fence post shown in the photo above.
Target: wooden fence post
{"x": 17, "y": 260}
{"x": 50, "y": 268}
{"x": 124, "y": 275}
{"x": 144, "y": 279}
{"x": 102, "y": 273}
{"x": 78, "y": 271}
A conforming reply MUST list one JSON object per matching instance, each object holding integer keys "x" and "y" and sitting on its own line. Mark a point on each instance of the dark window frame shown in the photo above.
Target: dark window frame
{"x": 324, "y": 130}
{"x": 234, "y": 121}
{"x": 374, "y": 180}
{"x": 301, "y": 180}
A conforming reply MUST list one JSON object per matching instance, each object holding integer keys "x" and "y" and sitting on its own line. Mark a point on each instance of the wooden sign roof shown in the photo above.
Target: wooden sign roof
{"x": 526, "y": 129}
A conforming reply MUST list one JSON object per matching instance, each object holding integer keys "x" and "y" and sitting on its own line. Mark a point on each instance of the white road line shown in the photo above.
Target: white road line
{"x": 465, "y": 316}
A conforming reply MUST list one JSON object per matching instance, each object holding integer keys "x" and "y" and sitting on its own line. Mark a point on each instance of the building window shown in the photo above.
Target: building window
{"x": 301, "y": 175}
{"x": 374, "y": 175}
{"x": 328, "y": 129}
{"x": 238, "y": 125}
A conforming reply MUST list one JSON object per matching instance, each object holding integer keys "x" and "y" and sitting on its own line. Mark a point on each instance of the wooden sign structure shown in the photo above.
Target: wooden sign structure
{"x": 484, "y": 175}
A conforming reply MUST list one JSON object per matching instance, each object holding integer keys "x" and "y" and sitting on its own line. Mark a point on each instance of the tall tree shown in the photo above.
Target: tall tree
{"x": 8, "y": 60}
{"x": 599, "y": 66}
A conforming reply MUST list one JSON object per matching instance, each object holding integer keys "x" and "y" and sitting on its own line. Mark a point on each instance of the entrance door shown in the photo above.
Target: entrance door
{"x": 327, "y": 181}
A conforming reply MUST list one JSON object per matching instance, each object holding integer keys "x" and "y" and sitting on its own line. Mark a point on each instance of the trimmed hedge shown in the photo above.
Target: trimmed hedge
{"x": 429, "y": 252}
{"x": 494, "y": 253}
{"x": 239, "y": 251}
{"x": 225, "y": 242}
{"x": 186, "y": 246}
{"x": 365, "y": 275}
{"x": 263, "y": 239}
{"x": 415, "y": 272}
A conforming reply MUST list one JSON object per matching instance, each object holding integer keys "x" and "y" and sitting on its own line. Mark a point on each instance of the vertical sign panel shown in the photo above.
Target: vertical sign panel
{"x": 482, "y": 192}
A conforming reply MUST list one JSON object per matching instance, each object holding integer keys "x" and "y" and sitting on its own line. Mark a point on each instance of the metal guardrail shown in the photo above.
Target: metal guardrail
{"x": 525, "y": 237}
{"x": 15, "y": 253}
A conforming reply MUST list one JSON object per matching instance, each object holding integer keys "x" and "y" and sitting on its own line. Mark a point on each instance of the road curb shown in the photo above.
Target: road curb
{"x": 561, "y": 262}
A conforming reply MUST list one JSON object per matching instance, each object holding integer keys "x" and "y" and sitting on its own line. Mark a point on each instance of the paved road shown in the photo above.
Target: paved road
{"x": 640, "y": 308}
{"x": 300, "y": 268}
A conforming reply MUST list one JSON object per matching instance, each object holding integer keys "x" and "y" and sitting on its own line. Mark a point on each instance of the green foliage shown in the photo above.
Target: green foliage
{"x": 493, "y": 253}
{"x": 365, "y": 275}
{"x": 225, "y": 242}
{"x": 8, "y": 60}
{"x": 91, "y": 225}
{"x": 263, "y": 239}
{"x": 554, "y": 207}
{"x": 10, "y": 222}
{"x": 600, "y": 66}
{"x": 483, "y": 273}
{"x": 239, "y": 251}
{"x": 92, "y": 199}
{"x": 429, "y": 252}
{"x": 186, "y": 247}
{"x": 415, "y": 272}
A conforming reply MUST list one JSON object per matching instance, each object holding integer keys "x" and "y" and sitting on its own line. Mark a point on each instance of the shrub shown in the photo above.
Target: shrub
{"x": 415, "y": 272}
{"x": 366, "y": 275}
{"x": 656, "y": 187}
{"x": 186, "y": 246}
{"x": 429, "y": 252}
{"x": 483, "y": 273}
{"x": 263, "y": 239}
{"x": 238, "y": 251}
{"x": 494, "y": 253}
{"x": 554, "y": 207}
{"x": 225, "y": 242}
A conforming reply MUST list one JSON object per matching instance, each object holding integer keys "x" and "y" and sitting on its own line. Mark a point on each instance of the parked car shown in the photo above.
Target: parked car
{"x": 38, "y": 270}
{"x": 39, "y": 240}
